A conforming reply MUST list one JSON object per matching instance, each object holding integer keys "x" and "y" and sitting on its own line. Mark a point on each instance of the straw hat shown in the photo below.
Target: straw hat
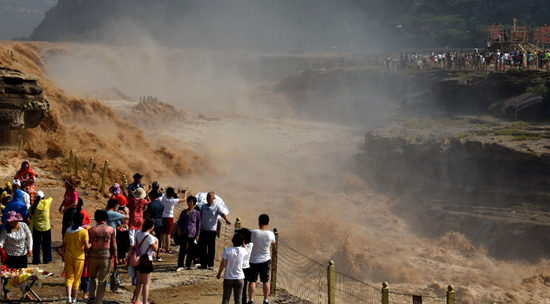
{"x": 70, "y": 181}
{"x": 140, "y": 193}
{"x": 13, "y": 217}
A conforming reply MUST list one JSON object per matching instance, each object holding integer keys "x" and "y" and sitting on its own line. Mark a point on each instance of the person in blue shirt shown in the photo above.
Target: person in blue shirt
{"x": 209, "y": 225}
{"x": 112, "y": 215}
{"x": 154, "y": 211}
{"x": 135, "y": 185}
{"x": 16, "y": 205}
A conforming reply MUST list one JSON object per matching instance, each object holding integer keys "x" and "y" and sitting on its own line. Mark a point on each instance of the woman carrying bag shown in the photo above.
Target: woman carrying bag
{"x": 146, "y": 244}
{"x": 16, "y": 240}
{"x": 187, "y": 235}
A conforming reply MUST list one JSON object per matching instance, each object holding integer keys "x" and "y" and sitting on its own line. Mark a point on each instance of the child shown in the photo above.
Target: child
{"x": 247, "y": 235}
{"x": 233, "y": 279}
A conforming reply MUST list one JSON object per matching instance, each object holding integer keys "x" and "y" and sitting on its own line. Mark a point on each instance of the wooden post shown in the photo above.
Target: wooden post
{"x": 331, "y": 282}
{"x": 76, "y": 166}
{"x": 238, "y": 223}
{"x": 21, "y": 144}
{"x": 124, "y": 181}
{"x": 274, "y": 260}
{"x": 451, "y": 295}
{"x": 69, "y": 166}
{"x": 90, "y": 171}
{"x": 104, "y": 180}
{"x": 385, "y": 293}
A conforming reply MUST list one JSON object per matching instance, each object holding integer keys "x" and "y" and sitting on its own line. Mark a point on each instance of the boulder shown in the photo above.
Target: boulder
{"x": 22, "y": 104}
{"x": 524, "y": 106}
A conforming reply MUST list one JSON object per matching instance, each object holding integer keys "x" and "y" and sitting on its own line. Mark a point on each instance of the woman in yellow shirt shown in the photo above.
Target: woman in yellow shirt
{"x": 75, "y": 243}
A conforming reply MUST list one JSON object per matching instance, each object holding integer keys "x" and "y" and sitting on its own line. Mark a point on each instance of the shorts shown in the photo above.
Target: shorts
{"x": 145, "y": 265}
{"x": 246, "y": 272}
{"x": 167, "y": 225}
{"x": 263, "y": 269}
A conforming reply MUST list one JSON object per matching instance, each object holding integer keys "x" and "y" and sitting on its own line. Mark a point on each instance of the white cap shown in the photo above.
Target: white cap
{"x": 40, "y": 194}
{"x": 17, "y": 182}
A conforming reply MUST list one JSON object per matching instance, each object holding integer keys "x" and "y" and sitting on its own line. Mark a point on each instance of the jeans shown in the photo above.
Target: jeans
{"x": 41, "y": 239}
{"x": 99, "y": 272}
{"x": 188, "y": 247}
{"x": 207, "y": 245}
{"x": 232, "y": 285}
{"x": 85, "y": 284}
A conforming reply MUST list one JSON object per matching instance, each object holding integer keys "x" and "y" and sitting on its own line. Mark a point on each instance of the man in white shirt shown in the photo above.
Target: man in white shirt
{"x": 260, "y": 258}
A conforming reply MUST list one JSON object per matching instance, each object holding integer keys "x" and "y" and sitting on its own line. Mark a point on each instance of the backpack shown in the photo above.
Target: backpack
{"x": 134, "y": 256}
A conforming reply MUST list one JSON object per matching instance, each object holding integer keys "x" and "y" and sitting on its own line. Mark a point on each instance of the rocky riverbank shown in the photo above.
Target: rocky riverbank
{"x": 462, "y": 151}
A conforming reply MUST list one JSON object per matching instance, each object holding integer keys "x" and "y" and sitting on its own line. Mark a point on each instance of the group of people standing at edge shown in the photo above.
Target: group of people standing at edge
{"x": 133, "y": 219}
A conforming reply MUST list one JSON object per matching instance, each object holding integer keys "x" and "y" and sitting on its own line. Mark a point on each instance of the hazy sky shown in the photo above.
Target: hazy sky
{"x": 20, "y": 17}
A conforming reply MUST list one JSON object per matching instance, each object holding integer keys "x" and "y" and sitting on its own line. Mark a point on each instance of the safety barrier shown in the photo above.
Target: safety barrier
{"x": 310, "y": 280}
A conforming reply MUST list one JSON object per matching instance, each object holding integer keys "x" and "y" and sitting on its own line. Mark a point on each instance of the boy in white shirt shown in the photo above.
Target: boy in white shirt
{"x": 260, "y": 258}
{"x": 232, "y": 261}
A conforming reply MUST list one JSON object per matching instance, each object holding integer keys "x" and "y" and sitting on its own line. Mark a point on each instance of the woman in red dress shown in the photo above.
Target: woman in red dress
{"x": 27, "y": 178}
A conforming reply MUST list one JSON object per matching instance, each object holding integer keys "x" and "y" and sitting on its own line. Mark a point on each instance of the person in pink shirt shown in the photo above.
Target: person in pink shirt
{"x": 69, "y": 204}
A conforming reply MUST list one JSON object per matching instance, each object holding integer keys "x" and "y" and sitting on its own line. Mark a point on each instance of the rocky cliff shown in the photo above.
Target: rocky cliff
{"x": 445, "y": 128}
{"x": 22, "y": 104}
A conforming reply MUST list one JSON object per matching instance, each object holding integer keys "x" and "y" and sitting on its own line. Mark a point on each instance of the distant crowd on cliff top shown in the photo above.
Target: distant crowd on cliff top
{"x": 499, "y": 60}
{"x": 133, "y": 230}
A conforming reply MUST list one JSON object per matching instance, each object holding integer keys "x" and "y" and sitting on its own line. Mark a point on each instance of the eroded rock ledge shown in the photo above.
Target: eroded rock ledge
{"x": 22, "y": 104}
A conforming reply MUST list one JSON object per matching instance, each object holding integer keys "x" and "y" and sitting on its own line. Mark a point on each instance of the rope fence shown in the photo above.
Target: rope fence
{"x": 300, "y": 275}
{"x": 316, "y": 283}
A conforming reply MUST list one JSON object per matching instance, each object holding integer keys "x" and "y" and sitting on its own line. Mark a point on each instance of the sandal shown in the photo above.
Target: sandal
{"x": 86, "y": 296}
{"x": 170, "y": 251}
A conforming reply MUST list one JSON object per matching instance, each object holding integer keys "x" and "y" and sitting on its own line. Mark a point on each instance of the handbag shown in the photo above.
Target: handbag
{"x": 134, "y": 255}
{"x": 115, "y": 279}
{"x": 177, "y": 238}
{"x": 3, "y": 255}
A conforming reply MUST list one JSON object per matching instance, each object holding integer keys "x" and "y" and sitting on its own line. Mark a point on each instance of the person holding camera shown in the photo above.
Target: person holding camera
{"x": 169, "y": 201}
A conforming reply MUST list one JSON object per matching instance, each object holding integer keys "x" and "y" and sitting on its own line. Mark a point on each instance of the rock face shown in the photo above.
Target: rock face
{"x": 477, "y": 93}
{"x": 22, "y": 104}
{"x": 524, "y": 106}
{"x": 393, "y": 156}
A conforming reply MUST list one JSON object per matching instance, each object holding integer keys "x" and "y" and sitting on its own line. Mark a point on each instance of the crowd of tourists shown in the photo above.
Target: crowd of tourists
{"x": 499, "y": 60}
{"x": 133, "y": 230}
